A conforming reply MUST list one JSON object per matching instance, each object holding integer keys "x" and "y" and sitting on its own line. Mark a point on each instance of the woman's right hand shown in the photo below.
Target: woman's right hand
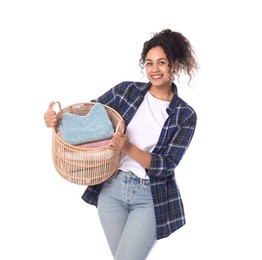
{"x": 50, "y": 116}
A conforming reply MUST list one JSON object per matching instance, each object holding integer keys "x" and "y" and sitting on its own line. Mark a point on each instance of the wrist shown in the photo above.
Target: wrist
{"x": 127, "y": 148}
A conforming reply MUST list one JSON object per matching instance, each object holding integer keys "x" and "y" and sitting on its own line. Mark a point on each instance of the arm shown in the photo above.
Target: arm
{"x": 159, "y": 163}
{"x": 164, "y": 163}
{"x": 107, "y": 98}
{"x": 120, "y": 142}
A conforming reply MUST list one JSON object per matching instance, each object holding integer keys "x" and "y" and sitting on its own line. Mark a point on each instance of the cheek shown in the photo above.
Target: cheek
{"x": 147, "y": 72}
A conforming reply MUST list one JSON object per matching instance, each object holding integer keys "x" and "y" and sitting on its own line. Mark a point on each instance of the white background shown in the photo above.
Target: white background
{"x": 73, "y": 51}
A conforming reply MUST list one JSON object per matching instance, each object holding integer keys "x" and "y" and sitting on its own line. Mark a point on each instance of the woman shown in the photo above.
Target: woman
{"x": 141, "y": 203}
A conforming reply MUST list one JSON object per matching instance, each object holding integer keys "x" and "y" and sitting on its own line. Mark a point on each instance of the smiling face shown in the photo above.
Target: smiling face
{"x": 157, "y": 70}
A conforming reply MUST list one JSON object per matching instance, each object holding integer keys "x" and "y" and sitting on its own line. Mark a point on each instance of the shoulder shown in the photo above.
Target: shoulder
{"x": 182, "y": 104}
{"x": 129, "y": 87}
{"x": 187, "y": 112}
{"x": 179, "y": 106}
{"x": 132, "y": 84}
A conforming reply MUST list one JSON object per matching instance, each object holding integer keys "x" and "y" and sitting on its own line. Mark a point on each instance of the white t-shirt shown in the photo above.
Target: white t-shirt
{"x": 144, "y": 131}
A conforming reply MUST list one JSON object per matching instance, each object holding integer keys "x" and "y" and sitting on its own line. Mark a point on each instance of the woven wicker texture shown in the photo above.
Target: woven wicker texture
{"x": 85, "y": 166}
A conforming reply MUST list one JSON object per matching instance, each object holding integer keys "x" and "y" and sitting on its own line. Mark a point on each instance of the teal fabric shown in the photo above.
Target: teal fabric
{"x": 94, "y": 126}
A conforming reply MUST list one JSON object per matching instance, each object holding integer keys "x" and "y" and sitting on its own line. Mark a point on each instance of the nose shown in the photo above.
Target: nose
{"x": 155, "y": 68}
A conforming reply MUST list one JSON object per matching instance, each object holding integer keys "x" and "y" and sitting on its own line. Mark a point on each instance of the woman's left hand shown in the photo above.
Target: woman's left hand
{"x": 120, "y": 142}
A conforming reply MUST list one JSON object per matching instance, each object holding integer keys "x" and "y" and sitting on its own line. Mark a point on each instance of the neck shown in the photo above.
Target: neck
{"x": 162, "y": 93}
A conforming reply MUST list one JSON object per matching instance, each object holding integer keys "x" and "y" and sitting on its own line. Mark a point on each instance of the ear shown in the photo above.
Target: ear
{"x": 175, "y": 65}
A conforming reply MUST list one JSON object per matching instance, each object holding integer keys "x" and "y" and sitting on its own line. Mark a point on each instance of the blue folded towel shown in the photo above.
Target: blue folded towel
{"x": 94, "y": 126}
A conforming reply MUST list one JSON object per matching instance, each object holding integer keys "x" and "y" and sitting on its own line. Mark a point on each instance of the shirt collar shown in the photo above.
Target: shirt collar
{"x": 173, "y": 101}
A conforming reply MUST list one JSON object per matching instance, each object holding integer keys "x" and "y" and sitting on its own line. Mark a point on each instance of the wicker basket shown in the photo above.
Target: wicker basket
{"x": 85, "y": 166}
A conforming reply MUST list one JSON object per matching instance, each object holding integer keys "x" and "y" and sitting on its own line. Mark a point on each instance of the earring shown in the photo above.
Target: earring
{"x": 172, "y": 76}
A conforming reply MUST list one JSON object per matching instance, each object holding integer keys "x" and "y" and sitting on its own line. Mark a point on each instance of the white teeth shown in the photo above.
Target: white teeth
{"x": 156, "y": 77}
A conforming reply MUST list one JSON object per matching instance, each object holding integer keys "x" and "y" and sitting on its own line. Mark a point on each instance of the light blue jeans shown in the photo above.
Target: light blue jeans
{"x": 126, "y": 212}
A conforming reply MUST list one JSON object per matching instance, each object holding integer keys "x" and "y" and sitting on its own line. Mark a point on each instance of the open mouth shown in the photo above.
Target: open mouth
{"x": 156, "y": 76}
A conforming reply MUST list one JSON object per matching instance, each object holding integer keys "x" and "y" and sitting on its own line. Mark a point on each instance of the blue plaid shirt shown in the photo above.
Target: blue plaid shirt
{"x": 174, "y": 140}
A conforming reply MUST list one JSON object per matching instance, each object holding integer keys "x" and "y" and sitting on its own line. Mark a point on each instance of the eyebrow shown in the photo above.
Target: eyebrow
{"x": 157, "y": 59}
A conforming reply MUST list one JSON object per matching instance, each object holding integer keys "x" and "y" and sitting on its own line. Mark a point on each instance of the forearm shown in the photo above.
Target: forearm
{"x": 140, "y": 156}
{"x": 121, "y": 142}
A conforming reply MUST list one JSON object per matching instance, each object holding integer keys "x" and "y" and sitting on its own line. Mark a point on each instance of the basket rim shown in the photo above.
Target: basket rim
{"x": 77, "y": 104}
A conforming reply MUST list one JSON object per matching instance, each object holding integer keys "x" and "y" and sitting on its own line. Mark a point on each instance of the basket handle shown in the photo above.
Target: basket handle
{"x": 121, "y": 122}
{"x": 57, "y": 102}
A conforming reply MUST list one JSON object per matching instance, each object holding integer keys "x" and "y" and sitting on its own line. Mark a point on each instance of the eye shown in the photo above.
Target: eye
{"x": 161, "y": 63}
{"x": 148, "y": 63}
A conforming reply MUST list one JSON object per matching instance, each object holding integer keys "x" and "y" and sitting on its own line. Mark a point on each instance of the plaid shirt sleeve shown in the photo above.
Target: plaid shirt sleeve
{"x": 174, "y": 140}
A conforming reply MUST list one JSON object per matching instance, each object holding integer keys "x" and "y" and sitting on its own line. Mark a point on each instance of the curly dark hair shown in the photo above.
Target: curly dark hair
{"x": 176, "y": 47}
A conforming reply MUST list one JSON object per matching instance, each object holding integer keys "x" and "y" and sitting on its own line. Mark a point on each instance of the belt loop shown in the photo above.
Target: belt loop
{"x": 116, "y": 173}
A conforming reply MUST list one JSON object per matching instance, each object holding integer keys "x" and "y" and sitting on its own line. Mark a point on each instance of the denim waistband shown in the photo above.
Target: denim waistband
{"x": 131, "y": 176}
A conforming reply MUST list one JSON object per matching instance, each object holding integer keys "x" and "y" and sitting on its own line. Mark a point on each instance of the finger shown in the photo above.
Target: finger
{"x": 120, "y": 134}
{"x": 50, "y": 118}
{"x": 51, "y": 123}
{"x": 50, "y": 115}
{"x": 50, "y": 106}
{"x": 114, "y": 141}
{"x": 112, "y": 145}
